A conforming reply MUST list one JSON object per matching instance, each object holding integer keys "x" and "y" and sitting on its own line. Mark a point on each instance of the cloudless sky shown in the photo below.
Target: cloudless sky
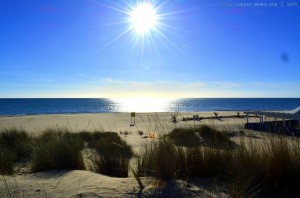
{"x": 80, "y": 48}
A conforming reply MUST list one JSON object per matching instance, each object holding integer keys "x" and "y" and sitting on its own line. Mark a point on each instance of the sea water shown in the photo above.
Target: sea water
{"x": 104, "y": 105}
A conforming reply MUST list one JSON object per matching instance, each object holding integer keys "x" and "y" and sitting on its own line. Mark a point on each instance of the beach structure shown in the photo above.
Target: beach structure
{"x": 283, "y": 121}
{"x": 132, "y": 120}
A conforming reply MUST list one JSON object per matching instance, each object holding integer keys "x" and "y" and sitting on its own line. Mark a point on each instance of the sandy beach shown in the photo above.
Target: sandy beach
{"x": 157, "y": 123}
{"x": 77, "y": 183}
{"x": 62, "y": 183}
{"x": 115, "y": 121}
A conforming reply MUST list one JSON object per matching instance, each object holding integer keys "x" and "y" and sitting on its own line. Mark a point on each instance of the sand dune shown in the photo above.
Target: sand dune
{"x": 75, "y": 183}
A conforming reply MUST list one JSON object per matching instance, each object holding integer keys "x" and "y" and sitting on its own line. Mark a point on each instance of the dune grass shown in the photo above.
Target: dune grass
{"x": 184, "y": 137}
{"x": 214, "y": 138}
{"x": 57, "y": 149}
{"x": 16, "y": 139}
{"x": 62, "y": 149}
{"x": 114, "y": 153}
{"x": 201, "y": 135}
{"x": 268, "y": 168}
{"x": 160, "y": 159}
{"x": 14, "y": 145}
{"x": 7, "y": 158}
{"x": 165, "y": 160}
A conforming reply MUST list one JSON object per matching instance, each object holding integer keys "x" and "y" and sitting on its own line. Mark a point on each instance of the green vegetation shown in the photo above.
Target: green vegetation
{"x": 57, "y": 149}
{"x": 7, "y": 159}
{"x": 114, "y": 153}
{"x": 165, "y": 160}
{"x": 184, "y": 137}
{"x": 266, "y": 167}
{"x": 14, "y": 144}
{"x": 160, "y": 159}
{"x": 61, "y": 149}
{"x": 202, "y": 135}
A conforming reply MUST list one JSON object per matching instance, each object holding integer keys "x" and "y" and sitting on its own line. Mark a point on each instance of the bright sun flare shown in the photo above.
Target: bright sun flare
{"x": 143, "y": 18}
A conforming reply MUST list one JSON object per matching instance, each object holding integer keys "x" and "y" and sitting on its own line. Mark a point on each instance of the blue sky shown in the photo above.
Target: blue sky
{"x": 78, "y": 48}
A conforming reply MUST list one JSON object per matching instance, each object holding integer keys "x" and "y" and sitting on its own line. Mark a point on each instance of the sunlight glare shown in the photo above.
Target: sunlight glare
{"x": 143, "y": 18}
{"x": 143, "y": 104}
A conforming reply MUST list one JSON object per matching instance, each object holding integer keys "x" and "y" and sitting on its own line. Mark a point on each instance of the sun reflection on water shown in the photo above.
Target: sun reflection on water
{"x": 142, "y": 104}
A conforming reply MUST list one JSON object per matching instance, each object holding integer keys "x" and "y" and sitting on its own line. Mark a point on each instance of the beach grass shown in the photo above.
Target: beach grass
{"x": 7, "y": 158}
{"x": 57, "y": 149}
{"x": 159, "y": 159}
{"x": 114, "y": 153}
{"x": 252, "y": 168}
{"x": 184, "y": 137}
{"x": 17, "y": 140}
{"x": 269, "y": 166}
{"x": 165, "y": 160}
{"x": 200, "y": 135}
{"x": 14, "y": 145}
{"x": 61, "y": 149}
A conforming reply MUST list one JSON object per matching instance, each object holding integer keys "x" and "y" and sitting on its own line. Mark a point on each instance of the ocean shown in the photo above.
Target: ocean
{"x": 18, "y": 107}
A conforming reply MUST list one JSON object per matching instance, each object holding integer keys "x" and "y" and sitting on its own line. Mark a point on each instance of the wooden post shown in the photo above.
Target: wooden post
{"x": 283, "y": 120}
{"x": 247, "y": 118}
{"x": 260, "y": 118}
{"x": 132, "y": 121}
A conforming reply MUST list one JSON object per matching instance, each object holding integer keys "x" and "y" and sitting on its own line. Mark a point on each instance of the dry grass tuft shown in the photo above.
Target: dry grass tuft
{"x": 61, "y": 149}
{"x": 114, "y": 153}
{"x": 14, "y": 145}
{"x": 57, "y": 149}
{"x": 252, "y": 168}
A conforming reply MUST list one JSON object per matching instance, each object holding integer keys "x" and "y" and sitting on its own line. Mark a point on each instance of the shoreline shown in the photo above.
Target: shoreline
{"x": 142, "y": 112}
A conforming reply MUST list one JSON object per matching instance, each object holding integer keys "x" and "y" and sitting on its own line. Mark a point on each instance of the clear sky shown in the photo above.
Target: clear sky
{"x": 91, "y": 48}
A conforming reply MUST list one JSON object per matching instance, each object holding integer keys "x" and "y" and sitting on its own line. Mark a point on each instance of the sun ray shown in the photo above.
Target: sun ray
{"x": 140, "y": 36}
{"x": 116, "y": 38}
{"x": 109, "y": 7}
{"x": 168, "y": 40}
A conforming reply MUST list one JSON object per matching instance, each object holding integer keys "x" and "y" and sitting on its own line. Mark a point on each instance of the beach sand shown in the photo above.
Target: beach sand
{"x": 115, "y": 121}
{"x": 78, "y": 183}
{"x": 62, "y": 183}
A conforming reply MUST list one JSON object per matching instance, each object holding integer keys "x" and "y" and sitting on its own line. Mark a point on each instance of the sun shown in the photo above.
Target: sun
{"x": 143, "y": 18}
